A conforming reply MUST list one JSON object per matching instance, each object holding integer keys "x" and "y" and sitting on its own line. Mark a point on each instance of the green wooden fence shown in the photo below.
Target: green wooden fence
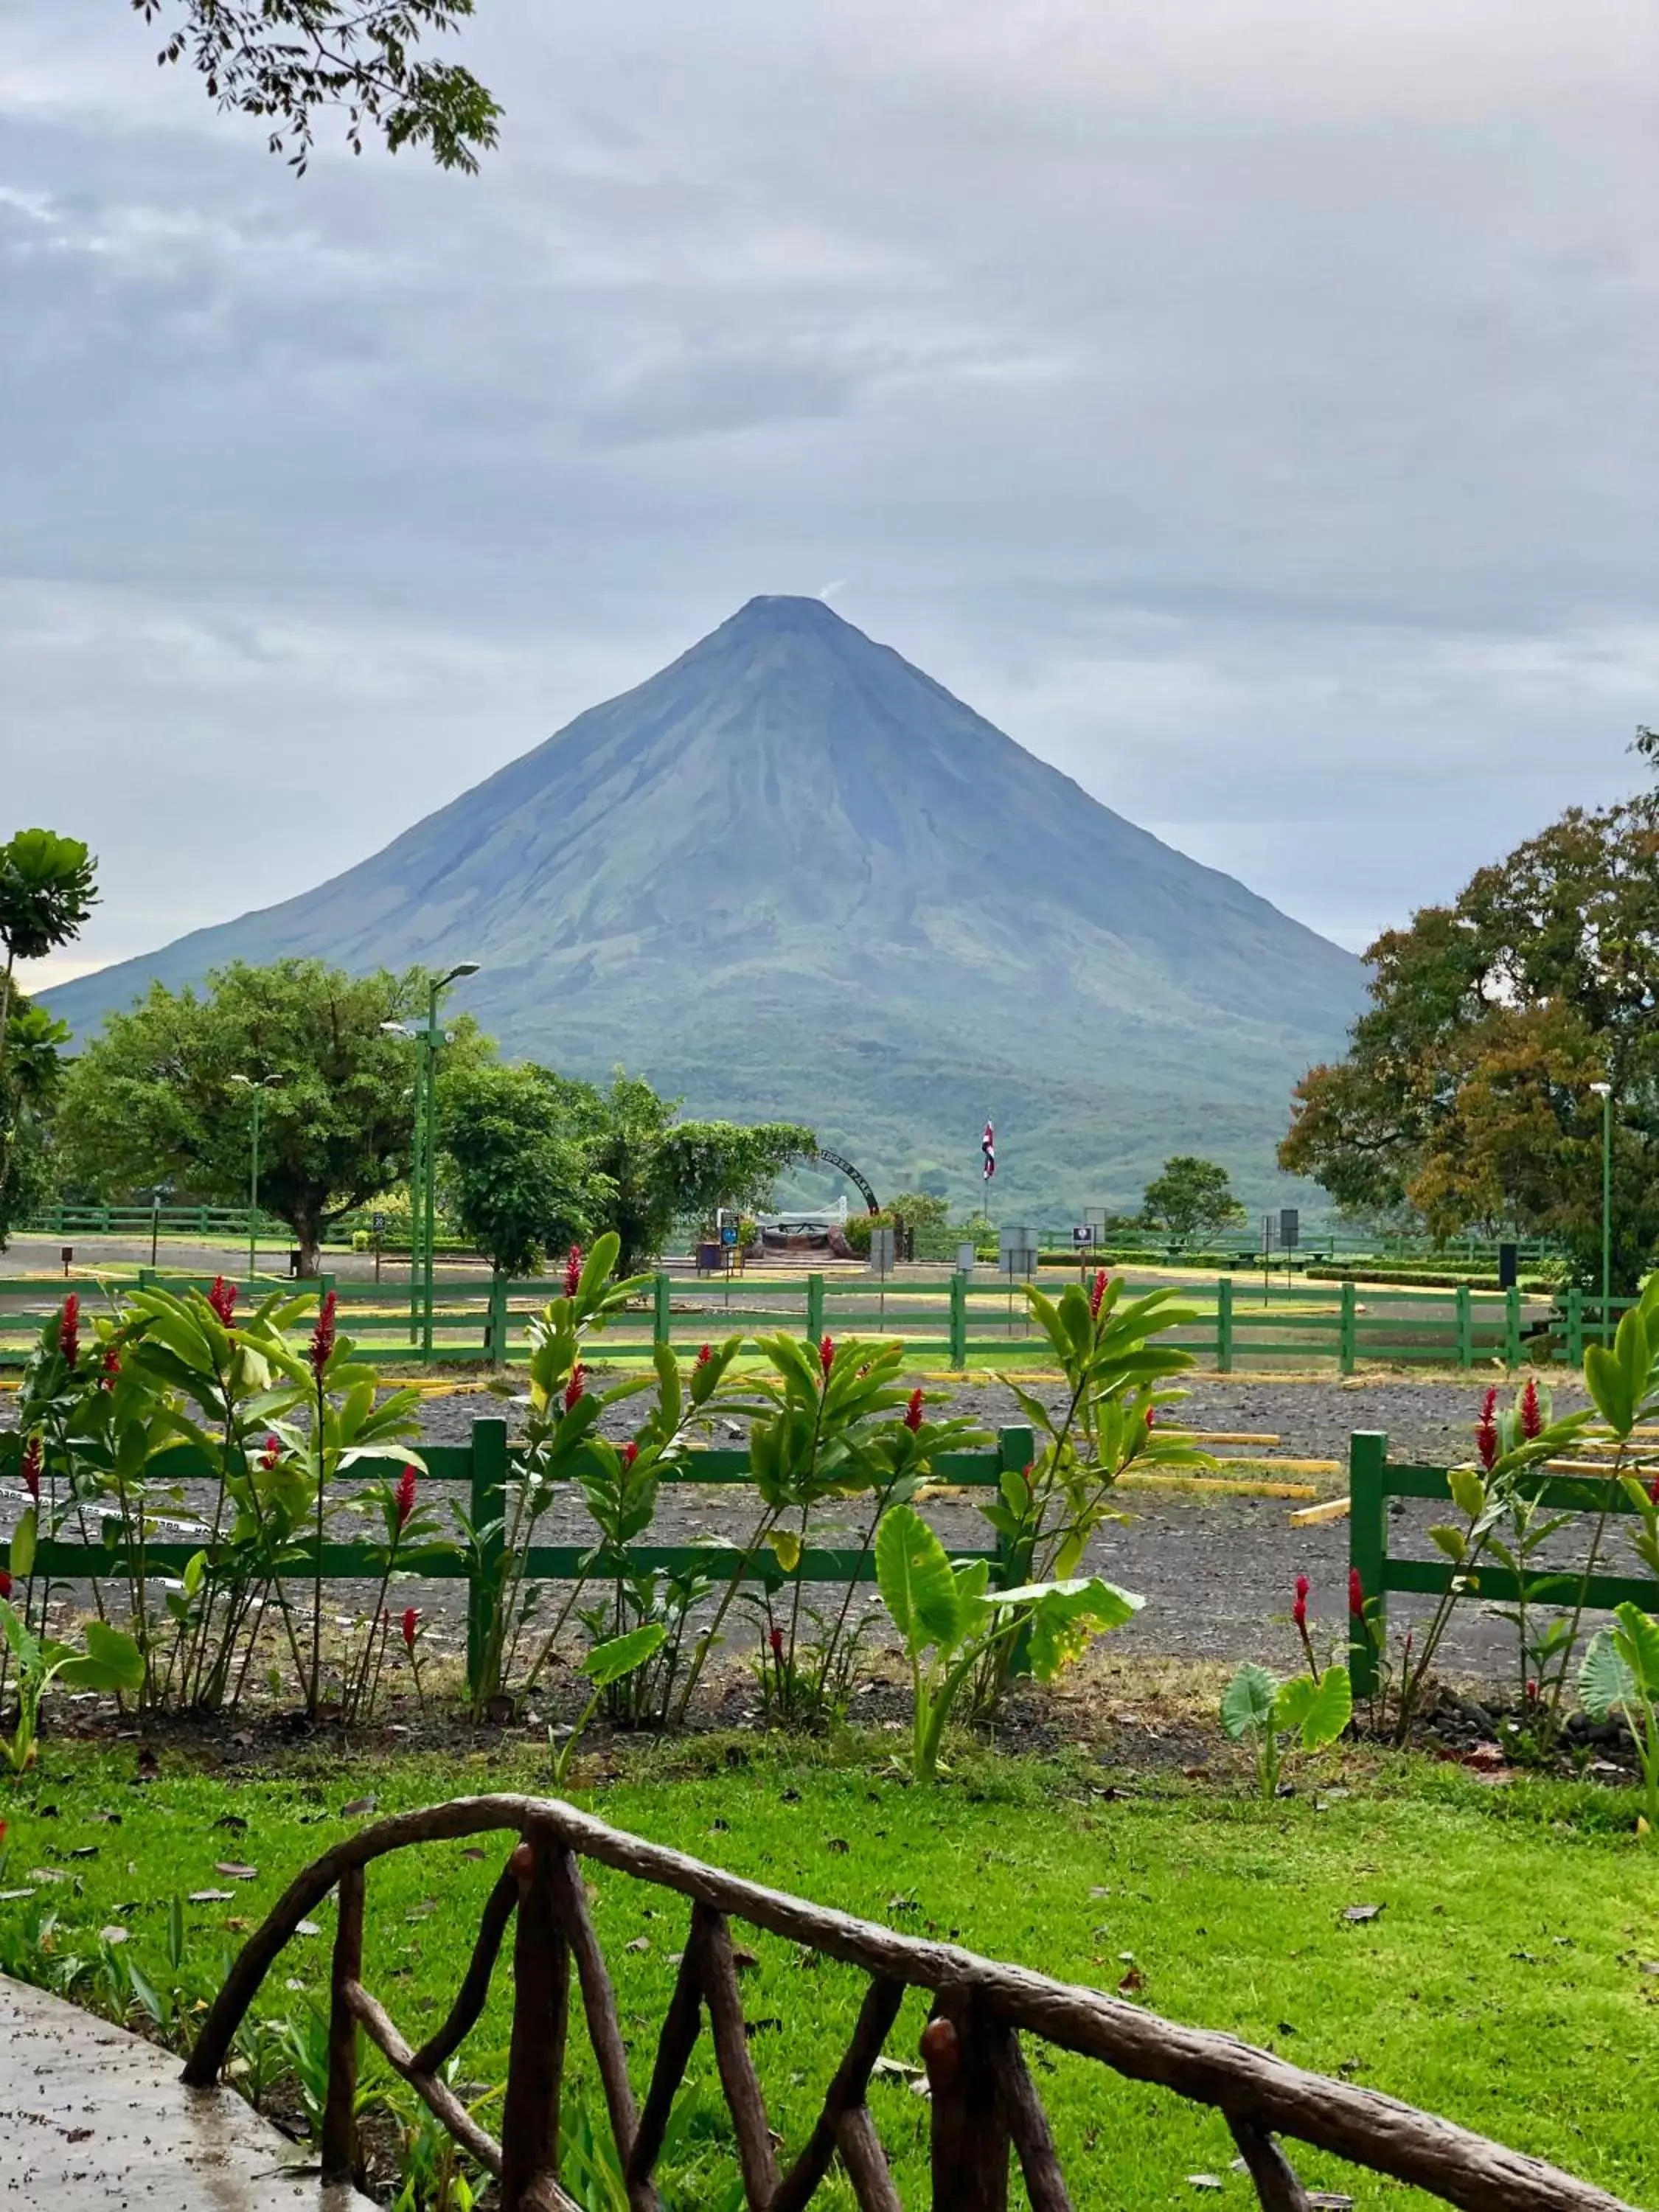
{"x": 487, "y": 1466}
{"x": 954, "y": 1322}
{"x": 1373, "y": 1480}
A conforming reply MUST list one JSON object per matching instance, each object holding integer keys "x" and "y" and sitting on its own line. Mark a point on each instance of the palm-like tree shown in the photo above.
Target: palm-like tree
{"x": 48, "y": 886}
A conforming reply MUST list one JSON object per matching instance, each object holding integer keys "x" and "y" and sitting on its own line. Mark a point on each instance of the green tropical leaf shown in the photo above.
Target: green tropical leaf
{"x": 1248, "y": 1703}
{"x": 112, "y": 1661}
{"x": 917, "y": 1587}
{"x": 1605, "y": 1684}
{"x": 1319, "y": 1710}
{"x": 786, "y": 1548}
{"x": 1068, "y": 1619}
{"x": 1638, "y": 1638}
{"x": 1608, "y": 1385}
{"x": 1469, "y": 1491}
{"x": 1450, "y": 1541}
{"x": 23, "y": 1543}
{"x": 623, "y": 1655}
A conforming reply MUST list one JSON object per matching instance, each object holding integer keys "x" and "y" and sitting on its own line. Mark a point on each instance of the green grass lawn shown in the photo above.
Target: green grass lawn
{"x": 1502, "y": 1984}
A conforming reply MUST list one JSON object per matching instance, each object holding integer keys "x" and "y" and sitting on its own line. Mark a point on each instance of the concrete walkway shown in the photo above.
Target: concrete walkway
{"x": 94, "y": 2120}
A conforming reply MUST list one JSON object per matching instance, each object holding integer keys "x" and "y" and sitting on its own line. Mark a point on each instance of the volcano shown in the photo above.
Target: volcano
{"x": 791, "y": 876}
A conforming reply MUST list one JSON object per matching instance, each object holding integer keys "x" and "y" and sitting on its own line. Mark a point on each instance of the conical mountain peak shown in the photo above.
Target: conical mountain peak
{"x": 792, "y": 874}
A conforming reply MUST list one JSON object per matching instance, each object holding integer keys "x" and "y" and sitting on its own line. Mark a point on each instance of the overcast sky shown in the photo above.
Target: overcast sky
{"x": 1250, "y": 405}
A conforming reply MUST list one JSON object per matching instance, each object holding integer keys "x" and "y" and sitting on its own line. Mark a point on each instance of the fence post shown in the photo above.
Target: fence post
{"x": 1224, "y": 1325}
{"x": 1512, "y": 1326}
{"x": 1465, "y": 1306}
{"x": 1575, "y": 1325}
{"x": 1347, "y": 1344}
{"x": 959, "y": 1320}
{"x": 662, "y": 1308}
{"x": 495, "y": 1322}
{"x": 814, "y": 1309}
{"x": 1368, "y": 1555}
{"x": 487, "y": 1503}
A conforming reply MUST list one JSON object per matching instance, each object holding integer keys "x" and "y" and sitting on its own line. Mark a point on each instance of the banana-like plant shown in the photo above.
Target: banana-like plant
{"x": 108, "y": 1659}
{"x": 949, "y": 1620}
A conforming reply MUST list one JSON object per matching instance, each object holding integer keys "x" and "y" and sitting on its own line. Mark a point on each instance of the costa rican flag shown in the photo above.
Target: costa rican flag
{"x": 987, "y": 1145}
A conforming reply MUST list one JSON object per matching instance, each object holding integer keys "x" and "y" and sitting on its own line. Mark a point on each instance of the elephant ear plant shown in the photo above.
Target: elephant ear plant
{"x": 950, "y": 1622}
{"x": 1315, "y": 1708}
{"x": 109, "y": 1660}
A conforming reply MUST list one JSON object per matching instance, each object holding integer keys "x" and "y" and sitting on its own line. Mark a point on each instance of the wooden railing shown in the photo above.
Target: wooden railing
{"x": 984, "y": 2106}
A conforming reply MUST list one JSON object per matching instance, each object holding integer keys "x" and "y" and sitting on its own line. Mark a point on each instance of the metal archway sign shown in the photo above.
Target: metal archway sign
{"x": 834, "y": 1160}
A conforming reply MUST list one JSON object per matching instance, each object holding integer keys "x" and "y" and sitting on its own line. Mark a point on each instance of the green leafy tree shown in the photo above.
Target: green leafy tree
{"x": 704, "y": 1165}
{"x": 1466, "y": 1093}
{"x": 517, "y": 1177}
{"x": 657, "y": 1171}
{"x": 48, "y": 887}
{"x": 155, "y": 1095}
{"x": 283, "y": 60}
{"x": 34, "y": 1068}
{"x": 1192, "y": 1198}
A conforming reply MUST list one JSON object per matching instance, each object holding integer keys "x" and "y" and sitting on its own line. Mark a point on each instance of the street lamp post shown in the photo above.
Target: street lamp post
{"x": 423, "y": 1164}
{"x": 258, "y": 1090}
{"x": 1604, "y": 1092}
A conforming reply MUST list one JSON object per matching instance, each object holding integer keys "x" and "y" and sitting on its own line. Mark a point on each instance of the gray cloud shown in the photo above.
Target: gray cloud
{"x": 1249, "y": 408}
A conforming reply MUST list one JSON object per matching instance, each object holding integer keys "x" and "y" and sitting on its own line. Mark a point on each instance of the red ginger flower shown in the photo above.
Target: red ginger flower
{"x": 112, "y": 1366}
{"x": 630, "y": 1452}
{"x": 576, "y": 1387}
{"x": 322, "y": 1337}
{"x": 272, "y": 1454}
{"x": 705, "y": 1353}
{"x": 32, "y": 1468}
{"x": 405, "y": 1495}
{"x": 1152, "y": 1417}
{"x": 1531, "y": 1689}
{"x": 1097, "y": 1290}
{"x": 1299, "y": 1610}
{"x": 573, "y": 1271}
{"x": 1485, "y": 1430}
{"x": 826, "y": 1356}
{"x": 1532, "y": 1414}
{"x": 1356, "y": 1595}
{"x": 5, "y": 1591}
{"x": 69, "y": 1330}
{"x": 1653, "y": 1490}
{"x": 775, "y": 1639}
{"x": 410, "y": 1622}
{"x": 912, "y": 1411}
{"x": 222, "y": 1299}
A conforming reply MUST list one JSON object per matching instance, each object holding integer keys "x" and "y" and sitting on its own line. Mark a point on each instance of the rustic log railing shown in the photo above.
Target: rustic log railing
{"x": 984, "y": 2105}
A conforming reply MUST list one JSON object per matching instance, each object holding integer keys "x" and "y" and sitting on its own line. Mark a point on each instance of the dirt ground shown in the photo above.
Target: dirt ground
{"x": 1218, "y": 1573}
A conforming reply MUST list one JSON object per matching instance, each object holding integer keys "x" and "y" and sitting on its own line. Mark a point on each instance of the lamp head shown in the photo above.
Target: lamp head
{"x": 1602, "y": 1090}
{"x": 461, "y": 968}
